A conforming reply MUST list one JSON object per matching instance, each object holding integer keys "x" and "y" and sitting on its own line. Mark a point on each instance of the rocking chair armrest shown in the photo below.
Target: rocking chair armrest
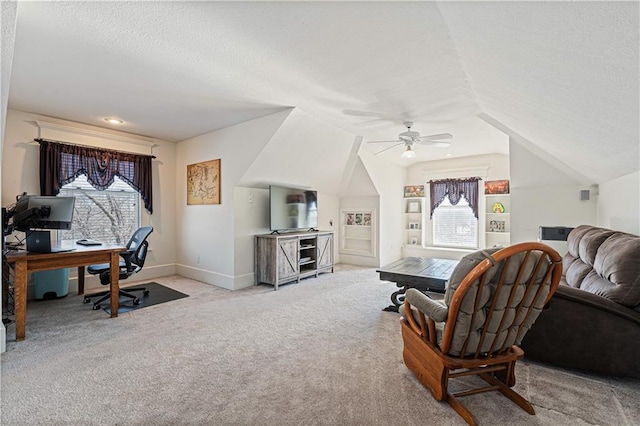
{"x": 434, "y": 309}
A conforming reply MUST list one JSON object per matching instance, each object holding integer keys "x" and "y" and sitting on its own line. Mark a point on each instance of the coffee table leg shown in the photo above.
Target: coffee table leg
{"x": 397, "y": 298}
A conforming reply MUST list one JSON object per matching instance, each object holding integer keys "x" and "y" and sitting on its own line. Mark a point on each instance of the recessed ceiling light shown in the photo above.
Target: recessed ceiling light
{"x": 448, "y": 155}
{"x": 113, "y": 120}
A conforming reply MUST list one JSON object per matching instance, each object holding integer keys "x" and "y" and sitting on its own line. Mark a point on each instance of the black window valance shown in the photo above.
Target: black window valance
{"x": 455, "y": 189}
{"x": 61, "y": 163}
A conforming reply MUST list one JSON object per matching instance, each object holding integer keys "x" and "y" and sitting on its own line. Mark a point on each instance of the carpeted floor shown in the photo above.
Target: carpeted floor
{"x": 320, "y": 352}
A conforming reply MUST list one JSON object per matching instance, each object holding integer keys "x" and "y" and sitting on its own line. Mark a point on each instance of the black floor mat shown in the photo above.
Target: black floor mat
{"x": 157, "y": 294}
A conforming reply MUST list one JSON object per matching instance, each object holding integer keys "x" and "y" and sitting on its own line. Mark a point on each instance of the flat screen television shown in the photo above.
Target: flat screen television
{"x": 43, "y": 212}
{"x": 292, "y": 209}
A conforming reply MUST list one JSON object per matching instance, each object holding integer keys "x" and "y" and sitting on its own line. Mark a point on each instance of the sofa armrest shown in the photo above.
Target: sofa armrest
{"x": 596, "y": 302}
{"x": 587, "y": 332}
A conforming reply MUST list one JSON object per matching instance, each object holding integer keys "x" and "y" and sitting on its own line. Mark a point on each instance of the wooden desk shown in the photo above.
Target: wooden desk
{"x": 80, "y": 257}
{"x": 423, "y": 273}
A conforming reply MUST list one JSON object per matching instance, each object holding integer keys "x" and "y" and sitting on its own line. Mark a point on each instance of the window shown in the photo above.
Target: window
{"x": 454, "y": 226}
{"x": 110, "y": 216}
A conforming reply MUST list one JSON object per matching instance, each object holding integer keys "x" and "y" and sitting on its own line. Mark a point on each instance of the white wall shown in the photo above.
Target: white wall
{"x": 360, "y": 194}
{"x": 289, "y": 148}
{"x": 20, "y": 173}
{"x": 388, "y": 180}
{"x": 8, "y": 14}
{"x": 251, "y": 213}
{"x": 619, "y": 204}
{"x": 304, "y": 153}
{"x": 362, "y": 203}
{"x": 543, "y": 195}
{"x": 206, "y": 247}
{"x": 328, "y": 219}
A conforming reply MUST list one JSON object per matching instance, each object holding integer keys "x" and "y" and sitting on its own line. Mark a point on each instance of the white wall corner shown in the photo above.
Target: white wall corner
{"x": 618, "y": 204}
{"x": 244, "y": 281}
{"x": 207, "y": 277}
{"x": 351, "y": 164}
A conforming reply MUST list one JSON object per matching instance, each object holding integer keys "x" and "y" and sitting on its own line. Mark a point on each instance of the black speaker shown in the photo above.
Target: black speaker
{"x": 554, "y": 233}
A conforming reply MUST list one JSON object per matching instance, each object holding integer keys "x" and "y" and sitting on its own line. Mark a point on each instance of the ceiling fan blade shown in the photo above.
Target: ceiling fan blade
{"x": 394, "y": 141}
{"x": 438, "y": 136}
{"x": 387, "y": 149}
{"x": 435, "y": 144}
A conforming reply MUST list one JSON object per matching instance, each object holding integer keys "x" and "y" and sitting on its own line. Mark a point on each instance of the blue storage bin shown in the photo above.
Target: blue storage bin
{"x": 52, "y": 284}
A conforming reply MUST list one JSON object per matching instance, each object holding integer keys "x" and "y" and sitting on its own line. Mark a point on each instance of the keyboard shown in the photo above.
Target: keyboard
{"x": 84, "y": 242}
{"x": 60, "y": 249}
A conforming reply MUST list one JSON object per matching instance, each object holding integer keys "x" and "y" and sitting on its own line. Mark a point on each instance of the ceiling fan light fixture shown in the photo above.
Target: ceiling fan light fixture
{"x": 408, "y": 153}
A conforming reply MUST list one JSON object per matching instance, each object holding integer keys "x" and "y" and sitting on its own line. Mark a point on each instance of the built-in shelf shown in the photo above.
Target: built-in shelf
{"x": 358, "y": 235}
{"x": 413, "y": 221}
{"x": 497, "y": 220}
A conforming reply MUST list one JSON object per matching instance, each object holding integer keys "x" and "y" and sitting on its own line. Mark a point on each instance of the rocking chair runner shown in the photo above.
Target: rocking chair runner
{"x": 492, "y": 300}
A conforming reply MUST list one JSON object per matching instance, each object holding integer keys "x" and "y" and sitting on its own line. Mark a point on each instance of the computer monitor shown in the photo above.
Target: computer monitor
{"x": 43, "y": 212}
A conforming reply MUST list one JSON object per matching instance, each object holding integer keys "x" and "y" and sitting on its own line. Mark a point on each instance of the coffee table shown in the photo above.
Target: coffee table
{"x": 426, "y": 274}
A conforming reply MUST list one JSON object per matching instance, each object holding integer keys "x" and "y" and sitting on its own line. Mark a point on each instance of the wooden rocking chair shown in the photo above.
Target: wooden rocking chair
{"x": 492, "y": 300}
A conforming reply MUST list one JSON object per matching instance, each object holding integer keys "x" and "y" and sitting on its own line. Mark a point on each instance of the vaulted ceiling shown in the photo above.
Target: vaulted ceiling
{"x": 560, "y": 76}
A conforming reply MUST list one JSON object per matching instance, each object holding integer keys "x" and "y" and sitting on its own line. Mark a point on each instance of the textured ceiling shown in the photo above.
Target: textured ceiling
{"x": 564, "y": 76}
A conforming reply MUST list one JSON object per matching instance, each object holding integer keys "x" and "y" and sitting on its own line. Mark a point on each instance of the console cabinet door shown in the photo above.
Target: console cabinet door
{"x": 287, "y": 257}
{"x": 325, "y": 250}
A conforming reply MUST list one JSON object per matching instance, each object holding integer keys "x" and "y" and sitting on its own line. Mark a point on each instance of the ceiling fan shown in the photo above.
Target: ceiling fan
{"x": 409, "y": 138}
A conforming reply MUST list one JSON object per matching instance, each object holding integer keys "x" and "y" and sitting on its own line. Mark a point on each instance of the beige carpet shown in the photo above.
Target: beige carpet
{"x": 321, "y": 352}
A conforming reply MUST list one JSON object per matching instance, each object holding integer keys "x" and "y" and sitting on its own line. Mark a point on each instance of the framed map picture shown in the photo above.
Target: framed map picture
{"x": 203, "y": 183}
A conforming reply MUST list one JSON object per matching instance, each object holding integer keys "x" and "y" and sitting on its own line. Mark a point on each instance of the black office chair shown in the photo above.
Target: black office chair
{"x": 132, "y": 262}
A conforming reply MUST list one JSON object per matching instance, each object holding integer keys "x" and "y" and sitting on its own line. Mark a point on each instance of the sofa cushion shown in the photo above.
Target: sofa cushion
{"x": 616, "y": 270}
{"x": 462, "y": 269}
{"x": 575, "y": 272}
{"x": 583, "y": 244}
{"x": 573, "y": 240}
{"x": 591, "y": 242}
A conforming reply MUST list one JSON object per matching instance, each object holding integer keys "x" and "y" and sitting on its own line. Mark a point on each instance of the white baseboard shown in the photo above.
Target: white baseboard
{"x": 215, "y": 278}
{"x": 244, "y": 281}
{"x": 92, "y": 282}
{"x": 359, "y": 260}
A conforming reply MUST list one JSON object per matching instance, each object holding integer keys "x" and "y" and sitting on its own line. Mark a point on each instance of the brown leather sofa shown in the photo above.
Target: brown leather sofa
{"x": 592, "y": 323}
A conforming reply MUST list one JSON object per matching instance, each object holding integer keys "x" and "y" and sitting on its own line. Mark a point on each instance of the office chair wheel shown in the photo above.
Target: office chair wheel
{"x": 96, "y": 307}
{"x": 145, "y": 293}
{"x": 136, "y": 302}
{"x": 86, "y": 300}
